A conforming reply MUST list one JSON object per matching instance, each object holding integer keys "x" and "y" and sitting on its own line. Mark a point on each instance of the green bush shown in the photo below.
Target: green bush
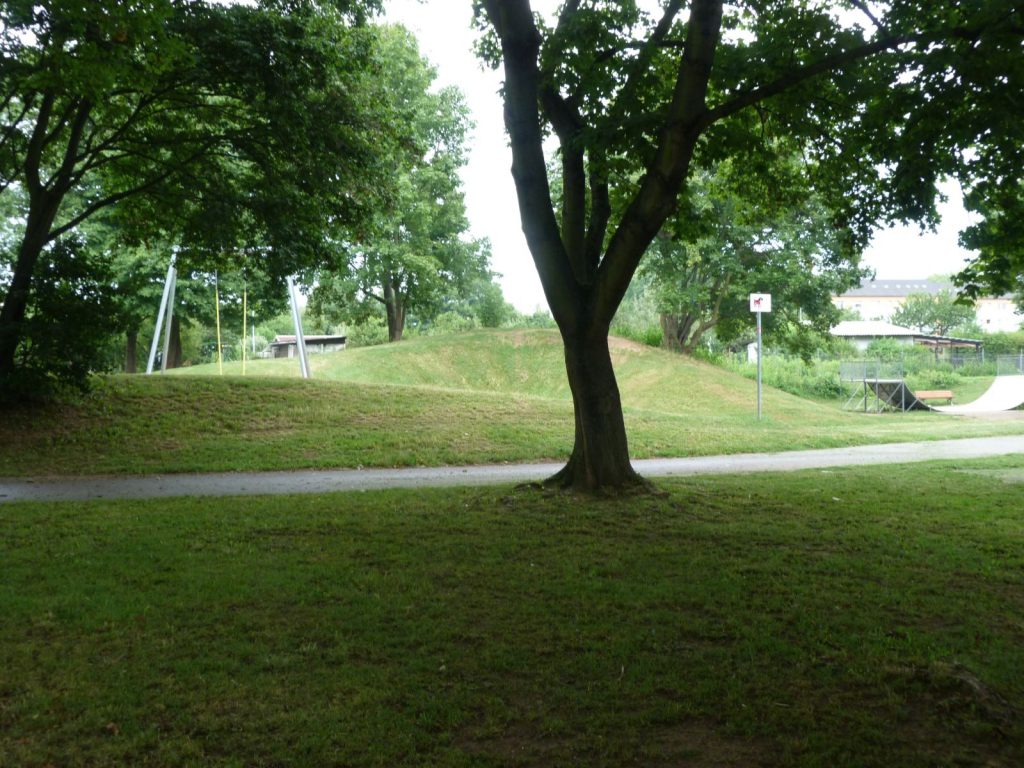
{"x": 651, "y": 335}
{"x": 936, "y": 378}
{"x": 369, "y": 333}
{"x": 1003, "y": 343}
{"x": 818, "y": 379}
{"x": 452, "y": 322}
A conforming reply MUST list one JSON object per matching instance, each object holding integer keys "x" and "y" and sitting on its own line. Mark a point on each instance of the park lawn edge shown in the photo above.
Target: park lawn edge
{"x": 866, "y": 616}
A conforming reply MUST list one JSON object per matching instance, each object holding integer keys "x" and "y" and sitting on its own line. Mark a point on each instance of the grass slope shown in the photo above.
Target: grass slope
{"x": 475, "y": 398}
{"x": 867, "y": 617}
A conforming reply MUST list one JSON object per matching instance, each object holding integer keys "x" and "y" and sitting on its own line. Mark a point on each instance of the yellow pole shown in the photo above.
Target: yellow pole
{"x": 216, "y": 298}
{"x": 245, "y": 308}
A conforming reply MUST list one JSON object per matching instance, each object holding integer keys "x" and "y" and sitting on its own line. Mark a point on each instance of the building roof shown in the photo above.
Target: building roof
{"x": 279, "y": 340}
{"x": 880, "y": 288}
{"x": 898, "y": 289}
{"x": 871, "y": 328}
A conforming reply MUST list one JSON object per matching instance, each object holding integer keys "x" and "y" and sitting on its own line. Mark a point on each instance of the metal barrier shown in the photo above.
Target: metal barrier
{"x": 1010, "y": 365}
{"x": 874, "y": 386}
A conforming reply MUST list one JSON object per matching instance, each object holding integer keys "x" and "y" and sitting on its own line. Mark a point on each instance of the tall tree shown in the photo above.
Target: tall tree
{"x": 418, "y": 253}
{"x": 936, "y": 313}
{"x": 733, "y": 237}
{"x": 654, "y": 98}
{"x": 196, "y": 118}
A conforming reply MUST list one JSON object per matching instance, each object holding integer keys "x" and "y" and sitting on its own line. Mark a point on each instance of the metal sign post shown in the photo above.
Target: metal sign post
{"x": 759, "y": 302}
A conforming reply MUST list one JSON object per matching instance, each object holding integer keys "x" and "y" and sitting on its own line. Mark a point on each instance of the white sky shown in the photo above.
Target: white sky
{"x": 446, "y": 40}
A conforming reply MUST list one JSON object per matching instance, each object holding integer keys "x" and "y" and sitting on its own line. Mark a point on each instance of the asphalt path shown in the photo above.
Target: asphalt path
{"x": 330, "y": 481}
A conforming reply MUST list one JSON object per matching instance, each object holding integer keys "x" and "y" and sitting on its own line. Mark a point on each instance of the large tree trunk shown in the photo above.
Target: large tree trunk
{"x": 600, "y": 456}
{"x": 131, "y": 351}
{"x": 682, "y": 333}
{"x": 174, "y": 347}
{"x": 37, "y": 229}
{"x": 672, "y": 332}
{"x": 396, "y": 312}
{"x": 175, "y": 355}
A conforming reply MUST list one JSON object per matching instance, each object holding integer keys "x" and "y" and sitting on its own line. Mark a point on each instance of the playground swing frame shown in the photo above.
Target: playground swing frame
{"x": 166, "y": 314}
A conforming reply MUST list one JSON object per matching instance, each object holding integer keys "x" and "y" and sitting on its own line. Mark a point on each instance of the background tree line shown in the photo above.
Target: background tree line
{"x": 254, "y": 141}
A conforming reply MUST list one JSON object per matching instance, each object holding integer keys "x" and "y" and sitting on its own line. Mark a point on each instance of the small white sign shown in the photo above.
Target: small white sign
{"x": 760, "y": 302}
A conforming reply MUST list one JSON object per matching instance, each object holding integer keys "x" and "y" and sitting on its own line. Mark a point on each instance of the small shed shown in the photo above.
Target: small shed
{"x": 862, "y": 332}
{"x": 286, "y": 346}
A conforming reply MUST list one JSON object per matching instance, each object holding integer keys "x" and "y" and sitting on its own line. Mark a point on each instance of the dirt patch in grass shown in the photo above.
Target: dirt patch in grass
{"x": 702, "y": 744}
{"x": 692, "y": 743}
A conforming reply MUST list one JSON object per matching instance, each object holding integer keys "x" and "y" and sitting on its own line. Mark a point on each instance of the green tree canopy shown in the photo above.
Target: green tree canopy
{"x": 937, "y": 314}
{"x": 417, "y": 254}
{"x": 998, "y": 238}
{"x": 206, "y": 124}
{"x": 733, "y": 237}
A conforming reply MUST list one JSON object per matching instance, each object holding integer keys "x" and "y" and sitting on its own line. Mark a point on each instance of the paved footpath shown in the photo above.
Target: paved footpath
{"x": 327, "y": 481}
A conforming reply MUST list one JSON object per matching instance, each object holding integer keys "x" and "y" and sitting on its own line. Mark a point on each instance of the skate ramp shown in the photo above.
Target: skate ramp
{"x": 897, "y": 394}
{"x": 1005, "y": 394}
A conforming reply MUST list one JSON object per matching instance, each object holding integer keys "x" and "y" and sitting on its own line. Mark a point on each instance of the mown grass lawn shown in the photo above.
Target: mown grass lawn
{"x": 862, "y": 617}
{"x": 484, "y": 397}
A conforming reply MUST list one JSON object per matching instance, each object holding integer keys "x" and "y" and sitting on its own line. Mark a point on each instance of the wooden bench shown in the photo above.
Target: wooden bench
{"x": 935, "y": 394}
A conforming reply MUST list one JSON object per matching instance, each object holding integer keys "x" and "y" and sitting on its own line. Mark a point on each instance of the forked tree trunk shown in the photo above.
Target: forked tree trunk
{"x": 600, "y": 455}
{"x": 671, "y": 332}
{"x": 682, "y": 333}
{"x": 174, "y": 347}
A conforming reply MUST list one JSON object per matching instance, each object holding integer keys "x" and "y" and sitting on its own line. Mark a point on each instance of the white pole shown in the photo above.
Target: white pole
{"x": 167, "y": 321}
{"x": 160, "y": 316}
{"x": 758, "y": 366}
{"x": 300, "y": 340}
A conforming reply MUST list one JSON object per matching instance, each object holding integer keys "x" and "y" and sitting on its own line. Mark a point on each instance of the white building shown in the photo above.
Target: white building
{"x": 879, "y": 300}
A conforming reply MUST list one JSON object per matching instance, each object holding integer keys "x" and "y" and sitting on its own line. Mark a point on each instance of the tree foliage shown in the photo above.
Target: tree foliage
{"x": 211, "y": 125}
{"x": 998, "y": 239}
{"x": 938, "y": 314}
{"x": 417, "y": 254}
{"x": 732, "y": 238}
{"x": 881, "y": 103}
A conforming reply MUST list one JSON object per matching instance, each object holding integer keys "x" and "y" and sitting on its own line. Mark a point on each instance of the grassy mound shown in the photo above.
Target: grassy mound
{"x": 482, "y": 397}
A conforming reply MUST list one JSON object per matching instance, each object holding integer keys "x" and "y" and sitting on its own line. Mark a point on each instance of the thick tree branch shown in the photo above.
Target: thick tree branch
{"x": 801, "y": 74}
{"x": 34, "y": 151}
{"x": 568, "y": 11}
{"x": 568, "y": 126}
{"x": 71, "y": 108}
{"x": 520, "y": 45}
{"x": 65, "y": 172}
{"x": 863, "y": 7}
{"x": 600, "y": 208}
{"x": 660, "y": 186}
{"x": 642, "y": 61}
